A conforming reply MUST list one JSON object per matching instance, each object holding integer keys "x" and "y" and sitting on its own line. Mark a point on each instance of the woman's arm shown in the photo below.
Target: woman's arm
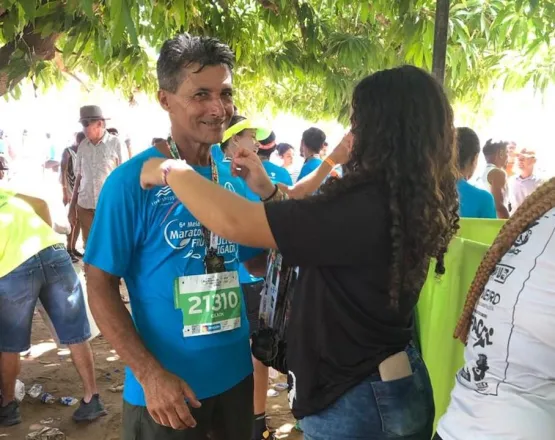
{"x": 222, "y": 212}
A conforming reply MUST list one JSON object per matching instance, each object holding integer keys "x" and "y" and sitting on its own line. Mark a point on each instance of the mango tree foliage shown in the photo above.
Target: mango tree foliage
{"x": 299, "y": 55}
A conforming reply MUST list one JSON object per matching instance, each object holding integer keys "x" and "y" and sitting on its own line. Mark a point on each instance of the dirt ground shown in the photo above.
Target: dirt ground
{"x": 53, "y": 368}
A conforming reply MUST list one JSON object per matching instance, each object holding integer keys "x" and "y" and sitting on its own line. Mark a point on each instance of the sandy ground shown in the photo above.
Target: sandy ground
{"x": 53, "y": 368}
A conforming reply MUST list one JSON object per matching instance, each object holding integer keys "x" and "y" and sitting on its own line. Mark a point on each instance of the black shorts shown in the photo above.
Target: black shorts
{"x": 227, "y": 416}
{"x": 252, "y": 300}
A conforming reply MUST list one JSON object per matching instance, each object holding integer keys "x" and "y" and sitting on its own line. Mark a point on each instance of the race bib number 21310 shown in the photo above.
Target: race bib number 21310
{"x": 210, "y": 303}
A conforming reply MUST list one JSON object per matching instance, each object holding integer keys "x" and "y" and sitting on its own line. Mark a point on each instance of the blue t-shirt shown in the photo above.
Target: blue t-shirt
{"x": 475, "y": 202}
{"x": 309, "y": 166}
{"x": 217, "y": 153}
{"x": 277, "y": 174}
{"x": 149, "y": 240}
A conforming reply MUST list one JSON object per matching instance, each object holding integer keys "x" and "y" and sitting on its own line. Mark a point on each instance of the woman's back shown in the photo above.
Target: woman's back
{"x": 506, "y": 389}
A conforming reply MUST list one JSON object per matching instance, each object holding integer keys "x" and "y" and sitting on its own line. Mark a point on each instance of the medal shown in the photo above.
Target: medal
{"x": 213, "y": 262}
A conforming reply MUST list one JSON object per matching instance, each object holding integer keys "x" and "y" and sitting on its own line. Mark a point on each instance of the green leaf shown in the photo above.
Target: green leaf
{"x": 126, "y": 12}
{"x": 29, "y": 7}
{"x": 87, "y": 6}
{"x": 118, "y": 24}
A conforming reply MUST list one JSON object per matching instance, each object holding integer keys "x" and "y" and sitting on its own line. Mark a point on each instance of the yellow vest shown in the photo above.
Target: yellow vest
{"x": 23, "y": 233}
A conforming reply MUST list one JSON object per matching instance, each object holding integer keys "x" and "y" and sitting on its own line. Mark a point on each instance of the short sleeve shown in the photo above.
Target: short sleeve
{"x": 318, "y": 231}
{"x": 121, "y": 151}
{"x": 246, "y": 253}
{"x": 78, "y": 160}
{"x": 286, "y": 177}
{"x": 488, "y": 206}
{"x": 111, "y": 242}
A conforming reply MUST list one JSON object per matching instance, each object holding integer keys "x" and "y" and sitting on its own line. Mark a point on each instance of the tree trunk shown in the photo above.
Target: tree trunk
{"x": 440, "y": 39}
{"x": 39, "y": 49}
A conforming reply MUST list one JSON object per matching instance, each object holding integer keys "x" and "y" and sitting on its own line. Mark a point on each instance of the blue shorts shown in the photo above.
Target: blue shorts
{"x": 50, "y": 276}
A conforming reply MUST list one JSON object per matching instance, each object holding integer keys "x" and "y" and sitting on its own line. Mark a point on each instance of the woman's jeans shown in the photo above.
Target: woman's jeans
{"x": 376, "y": 410}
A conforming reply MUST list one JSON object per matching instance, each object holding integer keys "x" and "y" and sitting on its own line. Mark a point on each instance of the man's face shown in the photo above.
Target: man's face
{"x": 94, "y": 130}
{"x": 503, "y": 157}
{"x": 526, "y": 163}
{"x": 203, "y": 104}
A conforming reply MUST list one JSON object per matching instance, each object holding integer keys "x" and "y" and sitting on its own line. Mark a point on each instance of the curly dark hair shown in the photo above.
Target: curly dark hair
{"x": 404, "y": 141}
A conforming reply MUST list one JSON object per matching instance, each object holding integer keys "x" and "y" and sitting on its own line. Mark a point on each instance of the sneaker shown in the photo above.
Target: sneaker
{"x": 10, "y": 415}
{"x": 87, "y": 412}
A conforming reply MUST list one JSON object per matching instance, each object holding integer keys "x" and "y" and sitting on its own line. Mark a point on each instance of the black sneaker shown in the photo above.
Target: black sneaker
{"x": 87, "y": 412}
{"x": 10, "y": 415}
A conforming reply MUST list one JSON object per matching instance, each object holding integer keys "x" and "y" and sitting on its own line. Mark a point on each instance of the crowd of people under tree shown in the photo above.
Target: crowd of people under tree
{"x": 362, "y": 223}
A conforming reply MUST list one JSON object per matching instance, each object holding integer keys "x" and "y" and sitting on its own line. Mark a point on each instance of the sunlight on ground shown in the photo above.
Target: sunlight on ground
{"x": 112, "y": 358}
{"x": 37, "y": 350}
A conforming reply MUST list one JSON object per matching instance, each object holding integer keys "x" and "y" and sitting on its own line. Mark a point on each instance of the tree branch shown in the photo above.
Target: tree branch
{"x": 61, "y": 65}
{"x": 36, "y": 47}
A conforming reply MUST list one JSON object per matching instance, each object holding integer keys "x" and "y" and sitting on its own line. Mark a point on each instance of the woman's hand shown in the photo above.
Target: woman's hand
{"x": 247, "y": 165}
{"x": 340, "y": 155}
{"x": 155, "y": 170}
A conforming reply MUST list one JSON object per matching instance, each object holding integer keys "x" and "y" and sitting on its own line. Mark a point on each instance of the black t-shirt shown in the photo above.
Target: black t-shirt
{"x": 342, "y": 325}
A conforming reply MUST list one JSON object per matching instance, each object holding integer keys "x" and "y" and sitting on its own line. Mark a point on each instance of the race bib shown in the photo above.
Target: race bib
{"x": 210, "y": 303}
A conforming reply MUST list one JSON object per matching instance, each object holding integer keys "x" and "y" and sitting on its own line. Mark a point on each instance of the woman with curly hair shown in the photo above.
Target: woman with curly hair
{"x": 506, "y": 388}
{"x": 363, "y": 246}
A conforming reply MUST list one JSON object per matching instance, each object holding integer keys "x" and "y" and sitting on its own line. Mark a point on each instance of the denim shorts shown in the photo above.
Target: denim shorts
{"x": 399, "y": 409}
{"x": 50, "y": 276}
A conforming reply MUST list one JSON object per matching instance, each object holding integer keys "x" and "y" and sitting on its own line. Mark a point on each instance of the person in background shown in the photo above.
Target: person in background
{"x": 98, "y": 155}
{"x": 363, "y": 246}
{"x": 506, "y": 387}
{"x": 277, "y": 174}
{"x": 287, "y": 154}
{"x": 34, "y": 264}
{"x": 4, "y": 168}
{"x": 128, "y": 146}
{"x": 113, "y": 131}
{"x": 312, "y": 142}
{"x": 188, "y": 374}
{"x": 324, "y": 152}
{"x": 526, "y": 182}
{"x": 67, "y": 177}
{"x": 474, "y": 202}
{"x": 160, "y": 143}
{"x": 511, "y": 162}
{"x": 494, "y": 177}
{"x": 252, "y": 285}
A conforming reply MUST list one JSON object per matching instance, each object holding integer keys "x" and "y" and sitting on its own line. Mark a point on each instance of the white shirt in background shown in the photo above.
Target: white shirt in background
{"x": 521, "y": 188}
{"x": 506, "y": 389}
{"x": 95, "y": 163}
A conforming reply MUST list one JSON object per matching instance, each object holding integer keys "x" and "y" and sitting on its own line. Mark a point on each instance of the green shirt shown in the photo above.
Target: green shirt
{"x": 23, "y": 233}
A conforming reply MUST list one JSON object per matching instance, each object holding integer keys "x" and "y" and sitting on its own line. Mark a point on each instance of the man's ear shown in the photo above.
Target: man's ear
{"x": 164, "y": 101}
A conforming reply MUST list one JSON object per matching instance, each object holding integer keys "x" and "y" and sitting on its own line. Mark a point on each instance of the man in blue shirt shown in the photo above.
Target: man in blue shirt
{"x": 187, "y": 346}
{"x": 474, "y": 202}
{"x": 312, "y": 143}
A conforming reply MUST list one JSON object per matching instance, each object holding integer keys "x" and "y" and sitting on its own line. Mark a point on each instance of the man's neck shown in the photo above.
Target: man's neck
{"x": 312, "y": 156}
{"x": 526, "y": 174}
{"x": 193, "y": 153}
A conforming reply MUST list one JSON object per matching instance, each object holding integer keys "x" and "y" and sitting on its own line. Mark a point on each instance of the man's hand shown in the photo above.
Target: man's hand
{"x": 165, "y": 396}
{"x": 67, "y": 198}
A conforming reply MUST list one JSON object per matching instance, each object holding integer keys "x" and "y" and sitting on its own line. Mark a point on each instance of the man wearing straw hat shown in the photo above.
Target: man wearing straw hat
{"x": 97, "y": 156}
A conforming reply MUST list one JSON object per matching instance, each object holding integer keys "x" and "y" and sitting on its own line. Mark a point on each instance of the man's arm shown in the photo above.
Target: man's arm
{"x": 66, "y": 196}
{"x": 498, "y": 180}
{"x": 116, "y": 324}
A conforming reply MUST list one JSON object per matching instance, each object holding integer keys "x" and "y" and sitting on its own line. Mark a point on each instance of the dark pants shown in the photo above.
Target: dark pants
{"x": 227, "y": 416}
